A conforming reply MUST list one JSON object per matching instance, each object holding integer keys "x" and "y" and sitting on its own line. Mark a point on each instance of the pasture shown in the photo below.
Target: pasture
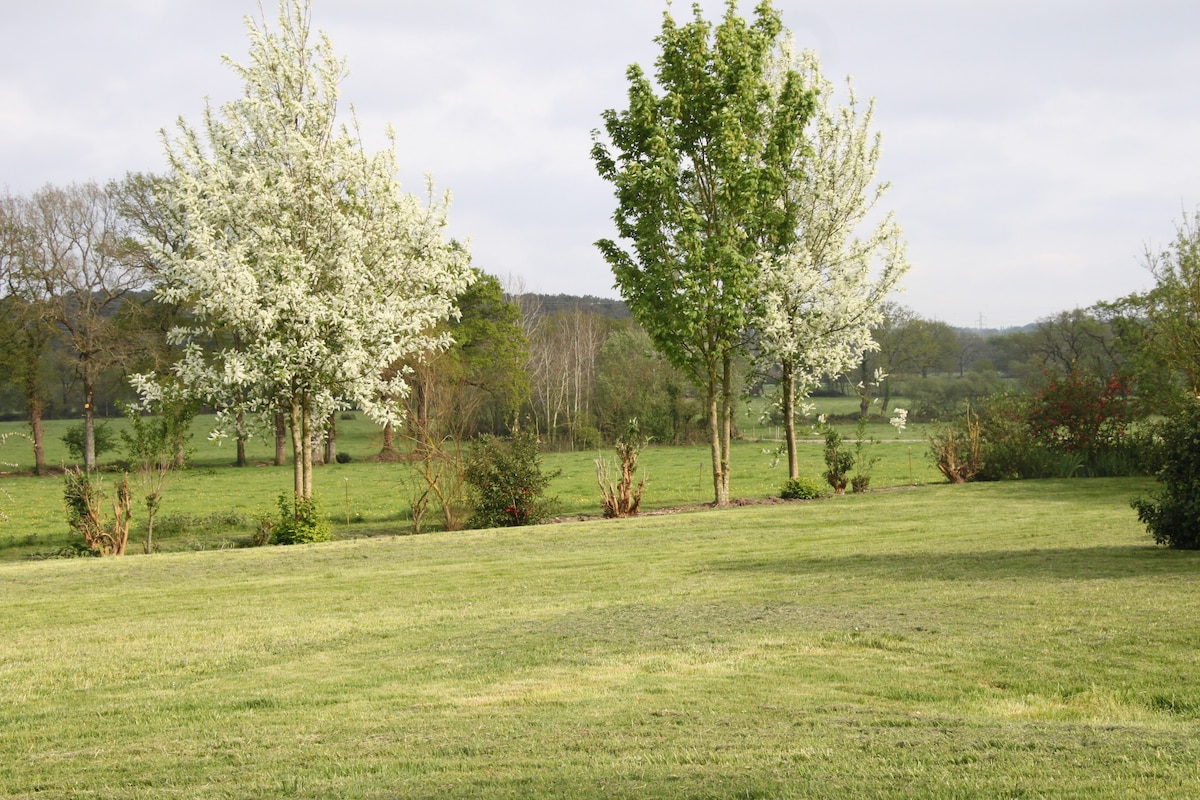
{"x": 1022, "y": 639}
{"x": 212, "y": 505}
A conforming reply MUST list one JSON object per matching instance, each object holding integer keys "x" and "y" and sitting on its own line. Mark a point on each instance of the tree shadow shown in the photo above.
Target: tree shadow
{"x": 1065, "y": 563}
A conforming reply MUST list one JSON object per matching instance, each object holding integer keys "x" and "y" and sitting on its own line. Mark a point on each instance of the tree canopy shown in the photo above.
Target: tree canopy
{"x": 701, "y": 170}
{"x": 302, "y": 246}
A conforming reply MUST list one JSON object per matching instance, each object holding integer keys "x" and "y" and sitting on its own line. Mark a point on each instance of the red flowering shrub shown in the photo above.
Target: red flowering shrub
{"x": 1080, "y": 413}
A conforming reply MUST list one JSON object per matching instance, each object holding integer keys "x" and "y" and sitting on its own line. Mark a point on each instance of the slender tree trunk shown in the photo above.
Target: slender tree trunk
{"x": 241, "y": 440}
{"x": 306, "y": 421}
{"x": 788, "y": 387}
{"x": 35, "y": 428}
{"x": 280, "y": 438}
{"x": 34, "y": 403}
{"x": 299, "y": 448}
{"x": 726, "y": 422}
{"x": 388, "y": 451}
{"x": 89, "y": 425}
{"x": 718, "y": 432}
{"x": 714, "y": 439}
{"x": 331, "y": 439}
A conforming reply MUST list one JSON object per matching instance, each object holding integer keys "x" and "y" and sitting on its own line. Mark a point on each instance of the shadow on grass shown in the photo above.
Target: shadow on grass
{"x": 1073, "y": 563}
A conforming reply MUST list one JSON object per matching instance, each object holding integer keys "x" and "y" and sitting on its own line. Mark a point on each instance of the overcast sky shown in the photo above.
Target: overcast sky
{"x": 1035, "y": 149}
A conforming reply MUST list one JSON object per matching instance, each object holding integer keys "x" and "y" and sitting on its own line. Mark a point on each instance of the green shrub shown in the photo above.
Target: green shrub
{"x": 302, "y": 523}
{"x": 343, "y": 458}
{"x": 75, "y": 435}
{"x": 1172, "y": 515}
{"x": 838, "y": 462}
{"x": 801, "y": 489}
{"x": 509, "y": 487}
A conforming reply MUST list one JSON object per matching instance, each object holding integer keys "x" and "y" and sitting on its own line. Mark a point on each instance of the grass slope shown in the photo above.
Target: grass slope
{"x": 993, "y": 640}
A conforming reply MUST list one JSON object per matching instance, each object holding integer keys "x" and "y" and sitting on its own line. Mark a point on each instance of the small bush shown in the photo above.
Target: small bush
{"x": 619, "y": 498}
{"x": 76, "y": 434}
{"x": 1172, "y": 516}
{"x": 838, "y": 462}
{"x": 863, "y": 461}
{"x": 957, "y": 448}
{"x": 347, "y": 416}
{"x": 801, "y": 489}
{"x": 343, "y": 458}
{"x": 508, "y": 483}
{"x": 302, "y": 523}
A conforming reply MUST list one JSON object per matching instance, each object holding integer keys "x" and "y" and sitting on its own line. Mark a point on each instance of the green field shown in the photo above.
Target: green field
{"x": 213, "y": 505}
{"x": 1012, "y": 640}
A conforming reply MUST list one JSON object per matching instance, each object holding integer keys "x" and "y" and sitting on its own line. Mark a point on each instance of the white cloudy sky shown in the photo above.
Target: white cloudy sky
{"x": 1035, "y": 147}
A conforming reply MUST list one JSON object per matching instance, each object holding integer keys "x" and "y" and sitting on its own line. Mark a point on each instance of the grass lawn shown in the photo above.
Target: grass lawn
{"x": 1015, "y": 640}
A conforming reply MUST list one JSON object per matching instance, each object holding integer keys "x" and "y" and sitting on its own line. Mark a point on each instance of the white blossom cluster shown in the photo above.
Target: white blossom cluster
{"x": 308, "y": 272}
{"x": 820, "y": 298}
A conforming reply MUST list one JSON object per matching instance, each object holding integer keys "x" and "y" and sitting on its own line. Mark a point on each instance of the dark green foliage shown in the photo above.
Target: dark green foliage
{"x": 635, "y": 380}
{"x": 343, "y": 458}
{"x": 74, "y": 440}
{"x": 838, "y": 462}
{"x": 302, "y": 523}
{"x": 1073, "y": 427}
{"x": 509, "y": 486}
{"x": 1173, "y": 515}
{"x": 942, "y": 398}
{"x": 801, "y": 489}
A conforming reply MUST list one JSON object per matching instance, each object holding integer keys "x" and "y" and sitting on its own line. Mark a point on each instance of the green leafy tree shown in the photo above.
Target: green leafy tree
{"x": 701, "y": 173}
{"x": 302, "y": 248}
{"x": 25, "y": 331}
{"x": 1172, "y": 307}
{"x": 633, "y": 380}
{"x": 1173, "y": 514}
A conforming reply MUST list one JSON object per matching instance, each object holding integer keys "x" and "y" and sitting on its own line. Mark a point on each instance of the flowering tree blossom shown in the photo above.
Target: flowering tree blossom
{"x": 302, "y": 252}
{"x": 820, "y": 297}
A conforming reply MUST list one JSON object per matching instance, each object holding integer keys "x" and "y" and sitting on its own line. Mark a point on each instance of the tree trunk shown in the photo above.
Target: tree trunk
{"x": 388, "y": 451}
{"x": 714, "y": 440}
{"x": 299, "y": 448}
{"x": 35, "y": 427}
{"x": 726, "y": 422}
{"x": 306, "y": 420}
{"x": 718, "y": 429}
{"x": 788, "y": 387}
{"x": 34, "y": 402}
{"x": 241, "y": 440}
{"x": 89, "y": 426}
{"x": 331, "y": 439}
{"x": 240, "y": 460}
{"x": 280, "y": 438}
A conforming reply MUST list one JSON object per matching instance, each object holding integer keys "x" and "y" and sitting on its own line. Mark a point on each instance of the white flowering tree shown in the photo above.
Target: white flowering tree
{"x": 303, "y": 253}
{"x": 820, "y": 298}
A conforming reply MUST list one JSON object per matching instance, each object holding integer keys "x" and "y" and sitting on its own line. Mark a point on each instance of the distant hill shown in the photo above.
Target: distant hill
{"x": 550, "y": 303}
